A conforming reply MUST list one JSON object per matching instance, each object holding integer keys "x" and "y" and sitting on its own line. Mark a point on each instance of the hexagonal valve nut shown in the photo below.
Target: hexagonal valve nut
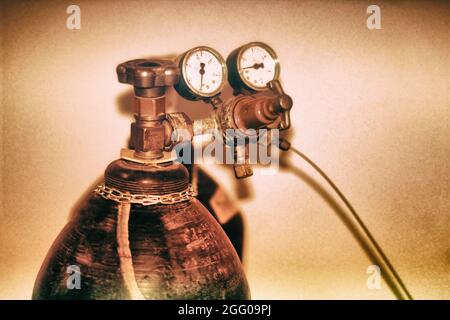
{"x": 150, "y": 108}
{"x": 147, "y": 138}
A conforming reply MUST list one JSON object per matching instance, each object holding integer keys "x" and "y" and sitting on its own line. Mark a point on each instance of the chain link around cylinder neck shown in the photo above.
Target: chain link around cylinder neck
{"x": 116, "y": 195}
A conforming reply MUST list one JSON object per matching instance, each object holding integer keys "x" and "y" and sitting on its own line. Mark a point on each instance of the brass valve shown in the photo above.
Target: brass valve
{"x": 247, "y": 113}
{"x": 155, "y": 133}
{"x": 262, "y": 112}
{"x": 283, "y": 105}
{"x": 150, "y": 78}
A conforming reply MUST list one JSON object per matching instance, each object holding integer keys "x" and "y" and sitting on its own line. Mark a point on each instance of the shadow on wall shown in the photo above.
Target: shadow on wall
{"x": 372, "y": 250}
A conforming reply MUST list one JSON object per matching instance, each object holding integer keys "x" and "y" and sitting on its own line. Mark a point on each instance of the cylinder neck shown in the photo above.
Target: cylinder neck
{"x": 156, "y": 179}
{"x": 148, "y": 131}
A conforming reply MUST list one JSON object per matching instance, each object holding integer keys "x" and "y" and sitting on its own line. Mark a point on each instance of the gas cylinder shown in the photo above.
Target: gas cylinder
{"x": 142, "y": 234}
{"x": 213, "y": 195}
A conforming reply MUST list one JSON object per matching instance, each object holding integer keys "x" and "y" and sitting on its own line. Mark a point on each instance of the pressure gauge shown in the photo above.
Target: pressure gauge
{"x": 203, "y": 73}
{"x": 252, "y": 66}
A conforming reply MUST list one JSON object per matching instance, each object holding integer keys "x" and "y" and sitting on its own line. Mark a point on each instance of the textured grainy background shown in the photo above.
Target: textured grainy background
{"x": 371, "y": 107}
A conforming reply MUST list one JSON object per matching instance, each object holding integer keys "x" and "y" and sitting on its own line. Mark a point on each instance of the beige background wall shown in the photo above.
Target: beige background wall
{"x": 371, "y": 107}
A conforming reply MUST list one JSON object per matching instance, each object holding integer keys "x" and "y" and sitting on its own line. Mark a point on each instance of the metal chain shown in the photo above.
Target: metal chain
{"x": 144, "y": 199}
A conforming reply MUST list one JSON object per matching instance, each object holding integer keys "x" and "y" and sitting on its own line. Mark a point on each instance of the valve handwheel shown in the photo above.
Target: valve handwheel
{"x": 150, "y": 77}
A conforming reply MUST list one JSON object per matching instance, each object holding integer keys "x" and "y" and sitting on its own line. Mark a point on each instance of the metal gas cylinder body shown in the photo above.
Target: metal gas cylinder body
{"x": 134, "y": 251}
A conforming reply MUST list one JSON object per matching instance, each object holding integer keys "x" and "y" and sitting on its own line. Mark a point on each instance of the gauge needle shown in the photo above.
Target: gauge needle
{"x": 202, "y": 72}
{"x": 255, "y": 66}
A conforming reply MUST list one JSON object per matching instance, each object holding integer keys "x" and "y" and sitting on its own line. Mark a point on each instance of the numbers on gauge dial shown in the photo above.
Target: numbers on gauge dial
{"x": 256, "y": 66}
{"x": 203, "y": 72}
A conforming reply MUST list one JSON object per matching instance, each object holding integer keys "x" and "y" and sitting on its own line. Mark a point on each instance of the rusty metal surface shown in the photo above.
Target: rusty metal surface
{"x": 179, "y": 251}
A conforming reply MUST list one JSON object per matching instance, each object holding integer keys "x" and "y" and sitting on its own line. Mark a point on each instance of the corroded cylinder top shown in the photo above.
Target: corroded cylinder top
{"x": 138, "y": 178}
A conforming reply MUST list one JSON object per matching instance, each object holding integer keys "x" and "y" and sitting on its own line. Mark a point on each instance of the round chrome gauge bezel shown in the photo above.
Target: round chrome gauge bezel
{"x": 240, "y": 71}
{"x": 197, "y": 93}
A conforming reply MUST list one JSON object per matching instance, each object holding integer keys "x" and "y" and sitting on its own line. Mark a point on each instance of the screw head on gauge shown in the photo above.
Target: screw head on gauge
{"x": 203, "y": 73}
{"x": 252, "y": 66}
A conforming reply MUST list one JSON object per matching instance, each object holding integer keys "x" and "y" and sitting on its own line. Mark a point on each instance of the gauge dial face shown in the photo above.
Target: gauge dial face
{"x": 204, "y": 71}
{"x": 257, "y": 64}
